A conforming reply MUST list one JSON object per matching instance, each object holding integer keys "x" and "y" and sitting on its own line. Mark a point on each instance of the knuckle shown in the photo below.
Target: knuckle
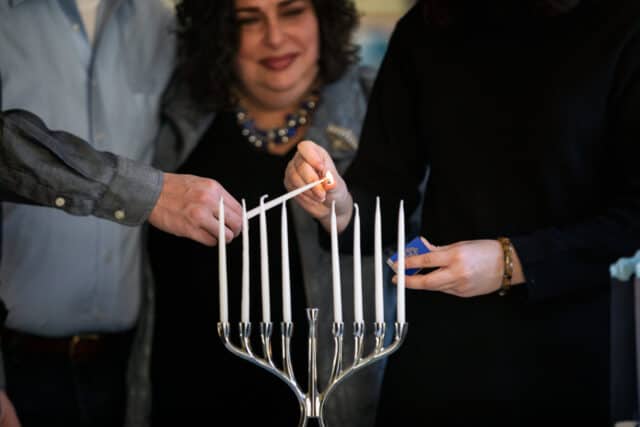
{"x": 426, "y": 259}
{"x": 210, "y": 186}
{"x": 236, "y": 228}
{"x": 198, "y": 215}
{"x": 424, "y": 282}
{"x": 202, "y": 195}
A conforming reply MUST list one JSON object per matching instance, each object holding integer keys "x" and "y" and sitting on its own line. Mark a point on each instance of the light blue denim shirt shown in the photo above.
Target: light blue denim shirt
{"x": 62, "y": 274}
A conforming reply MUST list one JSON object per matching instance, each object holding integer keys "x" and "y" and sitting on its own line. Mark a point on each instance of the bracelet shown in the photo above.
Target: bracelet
{"x": 507, "y": 254}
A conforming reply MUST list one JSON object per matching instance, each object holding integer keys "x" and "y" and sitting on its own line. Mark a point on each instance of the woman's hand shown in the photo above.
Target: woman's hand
{"x": 464, "y": 269}
{"x": 311, "y": 163}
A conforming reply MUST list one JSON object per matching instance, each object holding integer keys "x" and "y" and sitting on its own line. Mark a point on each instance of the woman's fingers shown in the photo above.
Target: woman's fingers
{"x": 313, "y": 154}
{"x": 437, "y": 280}
{"x": 433, "y": 259}
{"x": 299, "y": 174}
{"x": 429, "y": 245}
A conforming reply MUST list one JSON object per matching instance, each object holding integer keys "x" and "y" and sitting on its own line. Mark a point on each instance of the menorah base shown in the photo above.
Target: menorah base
{"x": 312, "y": 402}
{"x": 312, "y": 422}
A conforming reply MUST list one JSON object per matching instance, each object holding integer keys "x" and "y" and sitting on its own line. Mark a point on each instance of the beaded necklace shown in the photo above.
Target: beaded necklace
{"x": 261, "y": 138}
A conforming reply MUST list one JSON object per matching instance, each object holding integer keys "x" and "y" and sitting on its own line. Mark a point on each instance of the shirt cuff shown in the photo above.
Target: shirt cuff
{"x": 132, "y": 193}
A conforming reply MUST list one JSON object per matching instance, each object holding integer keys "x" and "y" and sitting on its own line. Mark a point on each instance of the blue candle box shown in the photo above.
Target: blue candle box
{"x": 413, "y": 248}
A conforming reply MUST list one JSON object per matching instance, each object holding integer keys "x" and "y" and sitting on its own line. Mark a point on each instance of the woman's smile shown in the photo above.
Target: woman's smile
{"x": 278, "y": 63}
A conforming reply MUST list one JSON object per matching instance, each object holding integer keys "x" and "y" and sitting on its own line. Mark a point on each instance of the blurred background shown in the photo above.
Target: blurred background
{"x": 378, "y": 20}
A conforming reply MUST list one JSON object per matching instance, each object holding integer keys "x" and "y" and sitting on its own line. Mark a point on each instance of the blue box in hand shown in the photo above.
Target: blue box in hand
{"x": 413, "y": 248}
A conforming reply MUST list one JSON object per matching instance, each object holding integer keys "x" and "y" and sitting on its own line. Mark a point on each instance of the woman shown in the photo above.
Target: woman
{"x": 275, "y": 72}
{"x": 526, "y": 114}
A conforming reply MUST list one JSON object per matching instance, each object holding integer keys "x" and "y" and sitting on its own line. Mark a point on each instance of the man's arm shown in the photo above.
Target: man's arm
{"x": 59, "y": 170}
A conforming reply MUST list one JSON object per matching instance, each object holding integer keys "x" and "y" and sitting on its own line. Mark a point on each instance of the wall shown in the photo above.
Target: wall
{"x": 378, "y": 20}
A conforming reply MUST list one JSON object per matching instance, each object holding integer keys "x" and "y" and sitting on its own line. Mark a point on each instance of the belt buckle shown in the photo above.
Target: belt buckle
{"x": 75, "y": 342}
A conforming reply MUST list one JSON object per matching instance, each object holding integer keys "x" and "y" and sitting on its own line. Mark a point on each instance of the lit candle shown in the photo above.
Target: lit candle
{"x": 245, "y": 265}
{"x": 264, "y": 264}
{"x": 222, "y": 265}
{"x": 401, "y": 266}
{"x": 286, "y": 283}
{"x": 377, "y": 259}
{"x": 357, "y": 268}
{"x": 335, "y": 264}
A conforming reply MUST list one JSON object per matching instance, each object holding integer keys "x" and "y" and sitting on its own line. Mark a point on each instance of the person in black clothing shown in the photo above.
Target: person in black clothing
{"x": 273, "y": 72}
{"x": 526, "y": 114}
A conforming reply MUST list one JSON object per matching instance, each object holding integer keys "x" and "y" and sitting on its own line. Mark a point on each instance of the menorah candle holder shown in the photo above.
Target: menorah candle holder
{"x": 313, "y": 399}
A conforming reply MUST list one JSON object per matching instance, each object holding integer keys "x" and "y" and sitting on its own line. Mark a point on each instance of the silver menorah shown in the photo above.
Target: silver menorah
{"x": 312, "y": 400}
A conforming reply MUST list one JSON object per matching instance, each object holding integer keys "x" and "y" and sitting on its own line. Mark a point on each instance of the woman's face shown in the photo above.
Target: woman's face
{"x": 277, "y": 59}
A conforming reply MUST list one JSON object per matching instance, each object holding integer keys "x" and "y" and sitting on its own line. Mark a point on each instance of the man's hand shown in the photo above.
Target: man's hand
{"x": 188, "y": 207}
{"x": 8, "y": 416}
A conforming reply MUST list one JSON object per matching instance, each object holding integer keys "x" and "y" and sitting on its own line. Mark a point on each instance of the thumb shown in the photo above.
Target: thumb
{"x": 429, "y": 245}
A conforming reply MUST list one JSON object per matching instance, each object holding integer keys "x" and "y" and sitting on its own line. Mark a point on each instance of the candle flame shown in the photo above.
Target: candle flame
{"x": 329, "y": 177}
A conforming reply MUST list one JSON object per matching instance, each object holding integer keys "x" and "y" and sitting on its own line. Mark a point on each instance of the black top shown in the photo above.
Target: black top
{"x": 530, "y": 130}
{"x": 194, "y": 377}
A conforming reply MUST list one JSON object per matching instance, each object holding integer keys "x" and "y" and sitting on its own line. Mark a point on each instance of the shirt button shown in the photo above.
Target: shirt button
{"x": 119, "y": 214}
{"x": 60, "y": 202}
{"x": 75, "y": 27}
{"x": 99, "y": 136}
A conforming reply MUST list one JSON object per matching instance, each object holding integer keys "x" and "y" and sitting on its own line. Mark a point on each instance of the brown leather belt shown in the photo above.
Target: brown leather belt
{"x": 77, "y": 348}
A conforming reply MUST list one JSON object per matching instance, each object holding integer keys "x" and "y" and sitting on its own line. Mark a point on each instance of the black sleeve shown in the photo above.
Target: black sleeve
{"x": 391, "y": 161}
{"x": 565, "y": 259}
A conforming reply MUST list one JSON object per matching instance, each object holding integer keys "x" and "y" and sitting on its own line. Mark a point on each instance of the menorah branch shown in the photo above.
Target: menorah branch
{"x": 338, "y": 333}
{"x": 358, "y": 337}
{"x": 287, "y": 334}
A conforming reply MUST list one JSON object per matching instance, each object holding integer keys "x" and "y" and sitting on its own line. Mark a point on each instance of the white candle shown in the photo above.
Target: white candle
{"x": 293, "y": 193}
{"x": 245, "y": 265}
{"x": 286, "y": 282}
{"x": 335, "y": 264}
{"x": 357, "y": 268}
{"x": 401, "y": 266}
{"x": 377, "y": 259}
{"x": 264, "y": 264}
{"x": 222, "y": 265}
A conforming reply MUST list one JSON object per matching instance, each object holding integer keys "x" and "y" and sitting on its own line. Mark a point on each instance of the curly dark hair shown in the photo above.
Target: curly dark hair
{"x": 209, "y": 42}
{"x": 445, "y": 12}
